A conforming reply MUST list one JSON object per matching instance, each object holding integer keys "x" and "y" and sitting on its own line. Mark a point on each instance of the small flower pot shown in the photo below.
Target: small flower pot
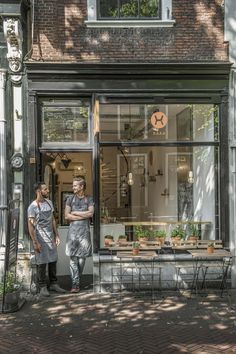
{"x": 161, "y": 240}
{"x": 135, "y": 251}
{"x": 193, "y": 238}
{"x": 122, "y": 241}
{"x": 210, "y": 250}
{"x": 108, "y": 241}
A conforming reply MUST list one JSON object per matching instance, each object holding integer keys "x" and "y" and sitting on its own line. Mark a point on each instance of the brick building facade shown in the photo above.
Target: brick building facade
{"x": 89, "y": 87}
{"x": 61, "y": 34}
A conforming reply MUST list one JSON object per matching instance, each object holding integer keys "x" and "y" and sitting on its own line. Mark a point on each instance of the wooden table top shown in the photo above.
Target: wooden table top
{"x": 129, "y": 248}
{"x": 201, "y": 253}
{"x": 142, "y": 254}
{"x": 163, "y": 223}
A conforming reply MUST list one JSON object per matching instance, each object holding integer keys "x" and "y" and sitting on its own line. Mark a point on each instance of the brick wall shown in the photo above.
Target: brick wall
{"x": 61, "y": 35}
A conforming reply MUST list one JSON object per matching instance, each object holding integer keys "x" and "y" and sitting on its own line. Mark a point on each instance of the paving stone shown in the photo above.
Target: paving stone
{"x": 95, "y": 323}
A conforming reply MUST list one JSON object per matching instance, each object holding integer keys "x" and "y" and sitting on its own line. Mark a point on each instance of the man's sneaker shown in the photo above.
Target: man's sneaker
{"x": 57, "y": 289}
{"x": 44, "y": 292}
{"x": 75, "y": 289}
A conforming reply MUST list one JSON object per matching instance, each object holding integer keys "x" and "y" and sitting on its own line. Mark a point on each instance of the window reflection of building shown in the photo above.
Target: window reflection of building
{"x": 185, "y": 201}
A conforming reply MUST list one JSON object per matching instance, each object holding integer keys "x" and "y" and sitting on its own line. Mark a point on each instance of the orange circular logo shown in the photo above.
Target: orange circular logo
{"x": 159, "y": 120}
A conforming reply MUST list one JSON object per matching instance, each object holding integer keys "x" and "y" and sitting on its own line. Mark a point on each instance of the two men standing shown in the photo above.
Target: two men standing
{"x": 43, "y": 231}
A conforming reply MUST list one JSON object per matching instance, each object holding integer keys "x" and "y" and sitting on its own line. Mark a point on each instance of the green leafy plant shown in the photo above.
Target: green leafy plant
{"x": 12, "y": 284}
{"x": 159, "y": 233}
{"x": 211, "y": 244}
{"x": 193, "y": 231}
{"x": 109, "y": 237}
{"x": 140, "y": 232}
{"x": 178, "y": 232}
{"x": 135, "y": 245}
{"x": 122, "y": 237}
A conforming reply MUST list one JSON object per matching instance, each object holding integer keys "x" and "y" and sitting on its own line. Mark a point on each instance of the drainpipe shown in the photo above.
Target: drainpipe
{"x": 3, "y": 159}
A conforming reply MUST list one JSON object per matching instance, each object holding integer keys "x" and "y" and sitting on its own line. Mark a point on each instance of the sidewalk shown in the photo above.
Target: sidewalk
{"x": 98, "y": 323}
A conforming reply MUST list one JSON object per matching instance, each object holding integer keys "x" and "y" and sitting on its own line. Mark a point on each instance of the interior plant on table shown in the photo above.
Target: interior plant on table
{"x": 122, "y": 239}
{"x": 141, "y": 234}
{"x": 210, "y": 247}
{"x": 178, "y": 234}
{"x": 193, "y": 233}
{"x": 108, "y": 240}
{"x": 135, "y": 248}
{"x": 159, "y": 235}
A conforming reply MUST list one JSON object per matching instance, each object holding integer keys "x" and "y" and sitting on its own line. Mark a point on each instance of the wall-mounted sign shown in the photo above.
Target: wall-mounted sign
{"x": 159, "y": 120}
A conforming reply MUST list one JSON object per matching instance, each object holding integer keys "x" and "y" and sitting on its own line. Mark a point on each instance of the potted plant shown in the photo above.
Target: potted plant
{"x": 160, "y": 235}
{"x": 122, "y": 239}
{"x": 108, "y": 240}
{"x": 135, "y": 248}
{"x": 141, "y": 234}
{"x": 177, "y": 234}
{"x": 194, "y": 233}
{"x": 210, "y": 248}
{"x": 12, "y": 290}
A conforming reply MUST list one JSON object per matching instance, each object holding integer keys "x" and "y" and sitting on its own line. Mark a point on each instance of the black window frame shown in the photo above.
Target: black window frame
{"x": 64, "y": 145}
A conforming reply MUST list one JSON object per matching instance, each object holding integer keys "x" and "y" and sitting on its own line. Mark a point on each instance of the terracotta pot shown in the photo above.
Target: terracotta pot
{"x": 135, "y": 251}
{"x": 193, "y": 238}
{"x": 210, "y": 250}
{"x": 122, "y": 241}
{"x": 161, "y": 240}
{"x": 143, "y": 239}
{"x": 108, "y": 241}
{"x": 176, "y": 240}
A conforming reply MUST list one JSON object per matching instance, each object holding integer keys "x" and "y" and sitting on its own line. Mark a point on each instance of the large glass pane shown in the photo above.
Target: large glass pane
{"x": 109, "y": 9}
{"x": 149, "y": 8}
{"x": 159, "y": 188}
{"x": 128, "y": 8}
{"x": 158, "y": 122}
{"x": 64, "y": 121}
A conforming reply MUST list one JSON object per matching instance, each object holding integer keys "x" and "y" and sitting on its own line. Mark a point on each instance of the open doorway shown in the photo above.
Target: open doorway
{"x": 59, "y": 169}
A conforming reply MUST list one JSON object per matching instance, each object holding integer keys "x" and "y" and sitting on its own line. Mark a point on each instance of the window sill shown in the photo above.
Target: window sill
{"x": 129, "y": 23}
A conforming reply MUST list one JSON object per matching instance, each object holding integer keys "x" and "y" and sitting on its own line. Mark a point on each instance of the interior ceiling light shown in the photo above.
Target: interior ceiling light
{"x": 63, "y": 157}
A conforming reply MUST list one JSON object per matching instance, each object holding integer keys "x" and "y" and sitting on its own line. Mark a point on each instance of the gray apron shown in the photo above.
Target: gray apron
{"x": 78, "y": 241}
{"x": 45, "y": 236}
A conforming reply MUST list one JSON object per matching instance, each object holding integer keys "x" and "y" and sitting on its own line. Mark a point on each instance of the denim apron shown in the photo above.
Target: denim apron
{"x": 45, "y": 234}
{"x": 78, "y": 241}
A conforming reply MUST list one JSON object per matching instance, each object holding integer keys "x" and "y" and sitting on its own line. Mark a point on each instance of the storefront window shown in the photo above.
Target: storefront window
{"x": 178, "y": 122}
{"x": 65, "y": 121}
{"x": 161, "y": 185}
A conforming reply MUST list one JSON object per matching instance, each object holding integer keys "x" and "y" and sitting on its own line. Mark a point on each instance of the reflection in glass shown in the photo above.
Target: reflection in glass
{"x": 185, "y": 122}
{"x": 129, "y": 9}
{"x": 161, "y": 190}
{"x": 65, "y": 122}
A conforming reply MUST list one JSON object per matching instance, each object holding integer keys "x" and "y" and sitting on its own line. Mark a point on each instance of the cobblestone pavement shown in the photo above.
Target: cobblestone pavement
{"x": 99, "y": 323}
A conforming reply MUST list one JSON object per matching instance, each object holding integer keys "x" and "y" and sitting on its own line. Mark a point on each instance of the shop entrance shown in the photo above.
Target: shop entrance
{"x": 58, "y": 171}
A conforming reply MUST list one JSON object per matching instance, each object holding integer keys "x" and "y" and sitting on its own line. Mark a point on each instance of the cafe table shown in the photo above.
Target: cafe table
{"x": 136, "y": 272}
{"x": 214, "y": 267}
